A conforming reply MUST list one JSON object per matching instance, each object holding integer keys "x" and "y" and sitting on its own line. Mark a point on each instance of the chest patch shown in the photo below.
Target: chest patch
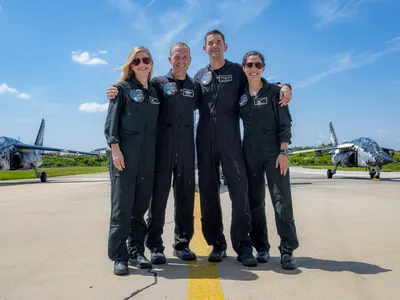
{"x": 225, "y": 78}
{"x": 206, "y": 78}
{"x": 170, "y": 89}
{"x": 243, "y": 100}
{"x": 137, "y": 95}
{"x": 188, "y": 93}
{"x": 260, "y": 101}
{"x": 154, "y": 100}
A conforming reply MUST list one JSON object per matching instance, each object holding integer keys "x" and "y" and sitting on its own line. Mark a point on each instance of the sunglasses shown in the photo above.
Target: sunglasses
{"x": 145, "y": 60}
{"x": 259, "y": 65}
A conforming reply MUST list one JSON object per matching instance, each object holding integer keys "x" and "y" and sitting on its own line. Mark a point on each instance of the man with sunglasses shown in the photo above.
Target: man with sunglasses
{"x": 218, "y": 142}
{"x": 178, "y": 95}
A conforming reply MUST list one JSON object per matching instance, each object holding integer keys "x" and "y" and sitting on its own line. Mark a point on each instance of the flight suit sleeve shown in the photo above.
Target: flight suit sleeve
{"x": 111, "y": 128}
{"x": 198, "y": 94}
{"x": 284, "y": 120}
{"x": 242, "y": 82}
{"x": 197, "y": 76}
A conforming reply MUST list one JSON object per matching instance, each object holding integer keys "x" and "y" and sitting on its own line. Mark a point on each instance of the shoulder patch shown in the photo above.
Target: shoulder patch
{"x": 170, "y": 89}
{"x": 243, "y": 100}
{"x": 206, "y": 78}
{"x": 137, "y": 95}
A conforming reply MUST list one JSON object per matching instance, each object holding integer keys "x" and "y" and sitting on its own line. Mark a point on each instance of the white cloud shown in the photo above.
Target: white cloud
{"x": 272, "y": 77}
{"x": 5, "y": 89}
{"x": 93, "y": 107}
{"x": 329, "y": 11}
{"x": 1, "y": 8}
{"x": 350, "y": 60}
{"x": 123, "y": 4}
{"x": 238, "y": 13}
{"x": 85, "y": 58}
{"x": 200, "y": 34}
{"x": 103, "y": 51}
{"x": 150, "y": 3}
{"x": 164, "y": 27}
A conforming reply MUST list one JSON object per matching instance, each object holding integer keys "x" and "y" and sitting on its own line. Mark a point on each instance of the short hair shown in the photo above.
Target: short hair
{"x": 178, "y": 44}
{"x": 251, "y": 53}
{"x": 214, "y": 31}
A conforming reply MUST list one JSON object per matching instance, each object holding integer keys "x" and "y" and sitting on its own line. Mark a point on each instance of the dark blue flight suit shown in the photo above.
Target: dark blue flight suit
{"x": 131, "y": 122}
{"x": 218, "y": 141}
{"x": 174, "y": 157}
{"x": 266, "y": 125}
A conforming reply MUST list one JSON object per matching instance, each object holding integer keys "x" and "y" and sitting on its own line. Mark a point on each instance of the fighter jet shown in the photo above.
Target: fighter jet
{"x": 360, "y": 152}
{"x": 15, "y": 155}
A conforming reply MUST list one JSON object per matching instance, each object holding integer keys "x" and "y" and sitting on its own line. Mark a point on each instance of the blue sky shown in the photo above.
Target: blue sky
{"x": 57, "y": 59}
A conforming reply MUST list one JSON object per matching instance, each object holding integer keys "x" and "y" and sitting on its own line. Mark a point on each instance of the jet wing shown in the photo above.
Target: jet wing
{"x": 36, "y": 147}
{"x": 344, "y": 147}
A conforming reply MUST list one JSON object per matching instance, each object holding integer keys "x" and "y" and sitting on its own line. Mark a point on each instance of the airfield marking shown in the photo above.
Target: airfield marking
{"x": 204, "y": 282}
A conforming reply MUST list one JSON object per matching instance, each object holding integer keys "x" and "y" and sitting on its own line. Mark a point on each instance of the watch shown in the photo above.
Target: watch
{"x": 284, "y": 151}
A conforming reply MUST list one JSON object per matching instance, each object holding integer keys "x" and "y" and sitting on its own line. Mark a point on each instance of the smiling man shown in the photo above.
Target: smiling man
{"x": 218, "y": 142}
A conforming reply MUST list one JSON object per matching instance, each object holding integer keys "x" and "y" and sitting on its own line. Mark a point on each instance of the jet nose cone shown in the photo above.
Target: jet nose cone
{"x": 385, "y": 159}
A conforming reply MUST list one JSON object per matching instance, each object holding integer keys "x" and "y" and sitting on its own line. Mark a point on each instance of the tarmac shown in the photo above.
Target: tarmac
{"x": 54, "y": 244}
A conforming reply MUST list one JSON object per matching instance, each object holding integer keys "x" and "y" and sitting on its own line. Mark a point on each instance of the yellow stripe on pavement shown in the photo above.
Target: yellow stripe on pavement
{"x": 204, "y": 282}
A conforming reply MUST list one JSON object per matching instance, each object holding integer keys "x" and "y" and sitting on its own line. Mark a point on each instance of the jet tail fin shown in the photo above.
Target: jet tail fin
{"x": 40, "y": 135}
{"x": 334, "y": 139}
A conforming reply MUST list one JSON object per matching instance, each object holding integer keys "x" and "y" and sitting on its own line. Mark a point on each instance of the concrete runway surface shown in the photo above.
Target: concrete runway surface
{"x": 54, "y": 244}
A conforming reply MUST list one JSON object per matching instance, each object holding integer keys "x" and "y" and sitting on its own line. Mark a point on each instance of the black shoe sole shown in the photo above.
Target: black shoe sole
{"x": 135, "y": 263}
{"x": 185, "y": 258}
{"x": 247, "y": 264}
{"x": 216, "y": 258}
{"x": 159, "y": 261}
{"x": 262, "y": 259}
{"x": 121, "y": 273}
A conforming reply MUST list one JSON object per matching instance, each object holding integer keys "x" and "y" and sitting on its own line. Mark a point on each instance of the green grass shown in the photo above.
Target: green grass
{"x": 51, "y": 172}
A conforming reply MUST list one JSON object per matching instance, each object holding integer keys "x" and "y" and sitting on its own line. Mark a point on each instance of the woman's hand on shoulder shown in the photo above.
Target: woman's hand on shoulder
{"x": 285, "y": 95}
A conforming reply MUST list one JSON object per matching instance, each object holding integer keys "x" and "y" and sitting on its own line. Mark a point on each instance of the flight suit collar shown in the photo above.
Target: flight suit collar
{"x": 133, "y": 80}
{"x": 171, "y": 76}
{"x": 265, "y": 87}
{"x": 226, "y": 65}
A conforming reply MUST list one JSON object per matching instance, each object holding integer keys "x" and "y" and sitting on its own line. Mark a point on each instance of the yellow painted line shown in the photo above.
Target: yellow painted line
{"x": 204, "y": 282}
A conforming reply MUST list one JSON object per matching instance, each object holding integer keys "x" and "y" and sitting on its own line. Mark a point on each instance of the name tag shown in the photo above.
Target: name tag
{"x": 154, "y": 100}
{"x": 261, "y": 101}
{"x": 225, "y": 78}
{"x": 188, "y": 93}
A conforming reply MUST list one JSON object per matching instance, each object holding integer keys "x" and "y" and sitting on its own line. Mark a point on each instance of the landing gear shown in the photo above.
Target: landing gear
{"x": 330, "y": 172}
{"x": 42, "y": 176}
{"x": 372, "y": 173}
{"x": 378, "y": 173}
{"x": 375, "y": 175}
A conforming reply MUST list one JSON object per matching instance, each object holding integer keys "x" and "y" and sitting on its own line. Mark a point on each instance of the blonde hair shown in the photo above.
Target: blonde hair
{"x": 127, "y": 71}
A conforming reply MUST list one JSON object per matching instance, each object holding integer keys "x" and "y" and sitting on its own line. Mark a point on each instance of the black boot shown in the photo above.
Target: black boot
{"x": 216, "y": 255}
{"x": 157, "y": 257}
{"x": 247, "y": 259}
{"x": 262, "y": 256}
{"x": 185, "y": 254}
{"x": 288, "y": 262}
{"x": 121, "y": 268}
{"x": 140, "y": 261}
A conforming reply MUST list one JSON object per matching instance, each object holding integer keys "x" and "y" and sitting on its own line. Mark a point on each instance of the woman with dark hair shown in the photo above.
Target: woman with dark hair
{"x": 267, "y": 135}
